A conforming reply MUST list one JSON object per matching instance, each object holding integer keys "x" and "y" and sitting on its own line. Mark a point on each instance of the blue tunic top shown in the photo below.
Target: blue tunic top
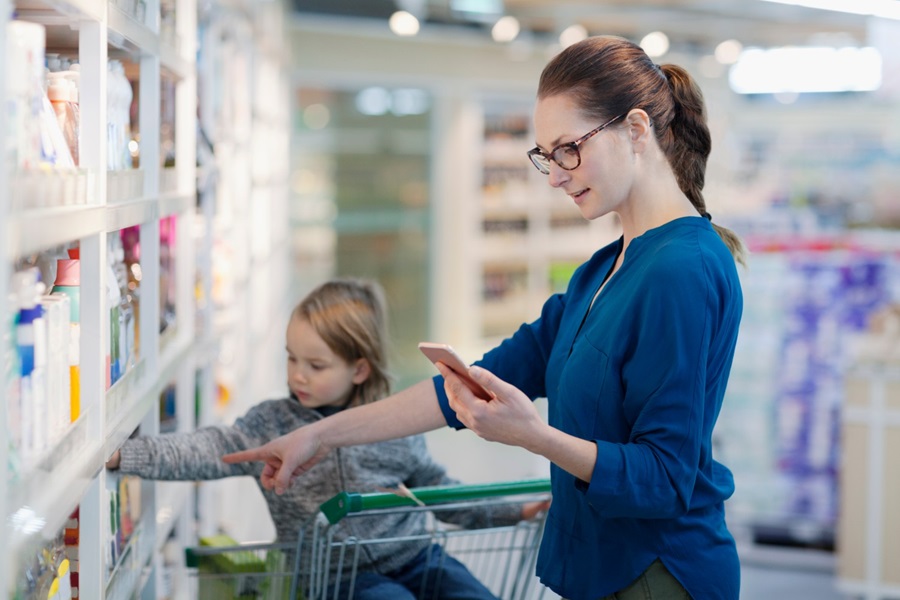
{"x": 642, "y": 373}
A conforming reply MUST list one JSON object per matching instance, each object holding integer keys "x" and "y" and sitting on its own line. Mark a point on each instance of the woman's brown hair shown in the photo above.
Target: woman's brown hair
{"x": 609, "y": 76}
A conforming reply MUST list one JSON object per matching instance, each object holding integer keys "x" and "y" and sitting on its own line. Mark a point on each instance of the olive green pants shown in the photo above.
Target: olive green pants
{"x": 656, "y": 583}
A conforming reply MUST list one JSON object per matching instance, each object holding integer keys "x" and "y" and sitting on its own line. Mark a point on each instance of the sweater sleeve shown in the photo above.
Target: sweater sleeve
{"x": 478, "y": 514}
{"x": 196, "y": 455}
{"x": 664, "y": 374}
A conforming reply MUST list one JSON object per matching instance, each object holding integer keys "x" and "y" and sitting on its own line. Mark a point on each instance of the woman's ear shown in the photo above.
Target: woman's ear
{"x": 361, "y": 371}
{"x": 639, "y": 128}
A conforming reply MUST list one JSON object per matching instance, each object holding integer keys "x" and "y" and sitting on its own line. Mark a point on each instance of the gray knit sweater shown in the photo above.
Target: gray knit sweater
{"x": 365, "y": 468}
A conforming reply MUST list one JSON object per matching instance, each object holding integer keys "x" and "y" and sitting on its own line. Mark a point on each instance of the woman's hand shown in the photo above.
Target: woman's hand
{"x": 285, "y": 458}
{"x": 509, "y": 418}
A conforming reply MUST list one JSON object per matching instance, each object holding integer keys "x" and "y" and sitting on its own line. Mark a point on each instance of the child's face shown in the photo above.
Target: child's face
{"x": 316, "y": 375}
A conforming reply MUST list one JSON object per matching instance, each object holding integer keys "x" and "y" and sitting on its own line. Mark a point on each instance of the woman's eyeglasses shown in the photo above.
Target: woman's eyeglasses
{"x": 567, "y": 156}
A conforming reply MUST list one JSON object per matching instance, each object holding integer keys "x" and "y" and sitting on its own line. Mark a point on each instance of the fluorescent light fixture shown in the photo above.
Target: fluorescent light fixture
{"x": 404, "y": 24}
{"x": 888, "y": 9}
{"x": 409, "y": 101}
{"x": 728, "y": 52}
{"x": 655, "y": 44}
{"x": 486, "y": 7}
{"x": 506, "y": 29}
{"x": 806, "y": 70}
{"x": 373, "y": 101}
{"x": 572, "y": 35}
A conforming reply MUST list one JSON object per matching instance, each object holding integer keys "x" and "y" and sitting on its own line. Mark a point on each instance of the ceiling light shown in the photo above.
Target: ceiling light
{"x": 373, "y": 101}
{"x": 506, "y": 29}
{"x": 728, "y": 52}
{"x": 409, "y": 101}
{"x": 572, "y": 35}
{"x": 404, "y": 24}
{"x": 655, "y": 44}
{"x": 487, "y": 7}
{"x": 888, "y": 9}
{"x": 316, "y": 116}
{"x": 806, "y": 69}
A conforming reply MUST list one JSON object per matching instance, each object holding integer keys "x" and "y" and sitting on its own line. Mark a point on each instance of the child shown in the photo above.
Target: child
{"x": 336, "y": 358}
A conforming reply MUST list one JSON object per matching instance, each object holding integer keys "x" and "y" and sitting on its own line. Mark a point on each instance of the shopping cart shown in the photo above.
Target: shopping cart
{"x": 324, "y": 564}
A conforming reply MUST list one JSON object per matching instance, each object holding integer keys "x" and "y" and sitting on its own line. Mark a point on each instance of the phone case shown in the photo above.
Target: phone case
{"x": 437, "y": 352}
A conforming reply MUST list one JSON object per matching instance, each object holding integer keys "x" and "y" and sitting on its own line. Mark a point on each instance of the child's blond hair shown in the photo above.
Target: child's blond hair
{"x": 349, "y": 315}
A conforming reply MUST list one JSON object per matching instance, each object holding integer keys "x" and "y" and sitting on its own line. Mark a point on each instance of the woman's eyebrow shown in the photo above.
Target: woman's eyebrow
{"x": 553, "y": 144}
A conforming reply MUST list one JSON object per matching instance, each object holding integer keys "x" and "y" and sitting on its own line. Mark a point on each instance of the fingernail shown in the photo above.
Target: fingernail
{"x": 476, "y": 371}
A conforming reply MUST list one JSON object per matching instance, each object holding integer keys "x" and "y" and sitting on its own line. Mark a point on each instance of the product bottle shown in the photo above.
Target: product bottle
{"x": 9, "y": 360}
{"x": 126, "y": 310}
{"x": 68, "y": 282}
{"x": 114, "y": 302}
{"x": 60, "y": 91}
{"x": 73, "y": 76}
{"x": 29, "y": 329}
{"x": 24, "y": 72}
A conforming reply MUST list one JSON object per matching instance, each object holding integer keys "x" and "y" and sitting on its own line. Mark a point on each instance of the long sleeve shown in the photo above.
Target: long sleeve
{"x": 197, "y": 455}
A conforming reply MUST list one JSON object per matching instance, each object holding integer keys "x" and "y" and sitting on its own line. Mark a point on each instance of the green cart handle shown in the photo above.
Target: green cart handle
{"x": 345, "y": 503}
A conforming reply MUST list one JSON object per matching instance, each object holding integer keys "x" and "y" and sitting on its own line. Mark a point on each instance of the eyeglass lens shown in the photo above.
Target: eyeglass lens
{"x": 566, "y": 156}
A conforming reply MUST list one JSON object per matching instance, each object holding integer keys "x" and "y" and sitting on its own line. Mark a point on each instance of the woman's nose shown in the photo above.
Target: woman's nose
{"x": 557, "y": 175}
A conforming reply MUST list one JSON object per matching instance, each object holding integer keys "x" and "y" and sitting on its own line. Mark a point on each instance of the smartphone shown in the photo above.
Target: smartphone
{"x": 445, "y": 353}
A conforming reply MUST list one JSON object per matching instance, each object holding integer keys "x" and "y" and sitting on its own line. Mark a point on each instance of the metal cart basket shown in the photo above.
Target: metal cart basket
{"x": 325, "y": 566}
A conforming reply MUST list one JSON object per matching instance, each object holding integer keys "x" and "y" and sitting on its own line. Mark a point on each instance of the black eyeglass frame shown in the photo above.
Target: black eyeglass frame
{"x": 548, "y": 156}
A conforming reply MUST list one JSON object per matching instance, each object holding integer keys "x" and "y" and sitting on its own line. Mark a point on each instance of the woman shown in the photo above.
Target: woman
{"x": 633, "y": 358}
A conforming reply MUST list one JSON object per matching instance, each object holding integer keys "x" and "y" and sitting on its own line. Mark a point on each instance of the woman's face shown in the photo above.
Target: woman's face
{"x": 601, "y": 182}
{"x": 316, "y": 375}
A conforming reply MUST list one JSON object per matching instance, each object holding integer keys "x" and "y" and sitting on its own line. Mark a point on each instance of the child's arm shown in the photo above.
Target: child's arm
{"x": 413, "y": 410}
{"x": 182, "y": 456}
{"x": 195, "y": 455}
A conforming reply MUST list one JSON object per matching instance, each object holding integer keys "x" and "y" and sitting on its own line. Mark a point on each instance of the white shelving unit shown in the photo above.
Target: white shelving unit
{"x": 230, "y": 256}
{"x": 244, "y": 117}
{"x": 37, "y": 502}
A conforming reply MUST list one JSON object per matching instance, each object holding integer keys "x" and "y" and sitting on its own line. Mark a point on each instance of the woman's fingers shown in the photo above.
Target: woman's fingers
{"x": 259, "y": 454}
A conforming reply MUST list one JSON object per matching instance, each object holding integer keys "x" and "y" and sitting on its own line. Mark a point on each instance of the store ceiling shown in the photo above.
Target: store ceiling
{"x": 753, "y": 22}
{"x": 697, "y": 23}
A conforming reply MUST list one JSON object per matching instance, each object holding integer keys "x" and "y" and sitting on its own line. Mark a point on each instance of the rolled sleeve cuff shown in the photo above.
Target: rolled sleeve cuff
{"x": 444, "y": 403}
{"x": 606, "y": 482}
{"x": 134, "y": 457}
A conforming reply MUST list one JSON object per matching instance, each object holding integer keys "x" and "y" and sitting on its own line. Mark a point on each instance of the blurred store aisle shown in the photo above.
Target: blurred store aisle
{"x": 772, "y": 573}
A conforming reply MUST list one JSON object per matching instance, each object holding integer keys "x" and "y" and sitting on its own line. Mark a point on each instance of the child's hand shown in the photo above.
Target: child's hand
{"x": 113, "y": 462}
{"x": 532, "y": 509}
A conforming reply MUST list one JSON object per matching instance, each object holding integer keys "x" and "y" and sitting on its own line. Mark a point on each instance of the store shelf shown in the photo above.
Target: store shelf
{"x": 127, "y": 574}
{"x": 137, "y": 393}
{"x": 127, "y": 33}
{"x": 172, "y": 500}
{"x": 175, "y": 203}
{"x": 127, "y": 214}
{"x": 41, "y": 500}
{"x": 39, "y": 229}
{"x": 172, "y": 61}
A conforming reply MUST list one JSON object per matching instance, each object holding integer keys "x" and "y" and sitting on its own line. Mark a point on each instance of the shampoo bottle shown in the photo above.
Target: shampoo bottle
{"x": 68, "y": 282}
